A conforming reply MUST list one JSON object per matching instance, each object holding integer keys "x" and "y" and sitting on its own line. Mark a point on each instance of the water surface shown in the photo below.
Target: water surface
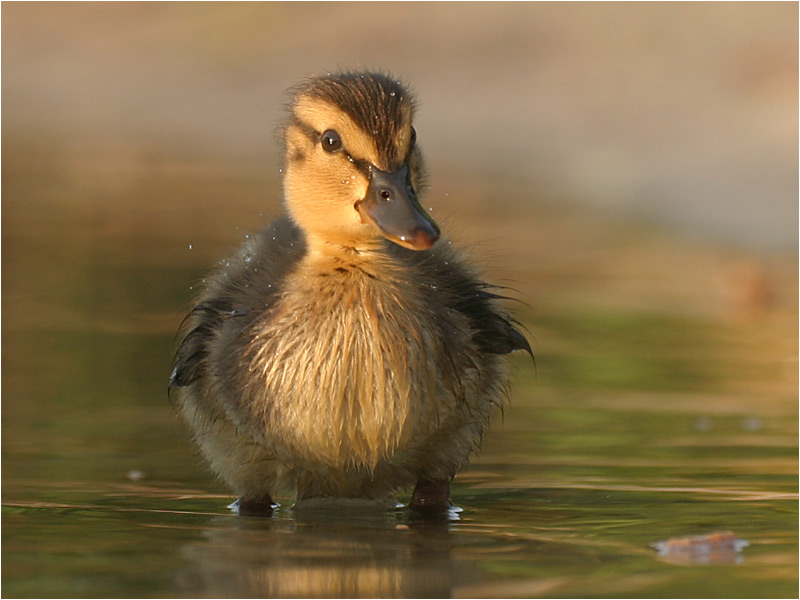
{"x": 657, "y": 410}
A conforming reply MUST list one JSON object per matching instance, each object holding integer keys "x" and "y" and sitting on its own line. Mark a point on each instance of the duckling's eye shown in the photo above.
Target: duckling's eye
{"x": 413, "y": 137}
{"x": 331, "y": 142}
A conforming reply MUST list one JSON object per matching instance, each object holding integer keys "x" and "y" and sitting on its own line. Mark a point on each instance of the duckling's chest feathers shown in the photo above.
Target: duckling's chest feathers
{"x": 353, "y": 364}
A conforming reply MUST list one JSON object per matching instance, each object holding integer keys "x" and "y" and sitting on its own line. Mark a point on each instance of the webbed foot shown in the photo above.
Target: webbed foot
{"x": 261, "y": 506}
{"x": 431, "y": 498}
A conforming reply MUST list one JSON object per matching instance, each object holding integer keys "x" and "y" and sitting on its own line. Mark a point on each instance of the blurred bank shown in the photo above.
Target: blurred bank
{"x": 679, "y": 114}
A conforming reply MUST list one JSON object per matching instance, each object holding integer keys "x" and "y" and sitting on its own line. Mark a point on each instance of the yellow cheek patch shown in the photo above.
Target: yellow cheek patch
{"x": 323, "y": 116}
{"x": 311, "y": 172}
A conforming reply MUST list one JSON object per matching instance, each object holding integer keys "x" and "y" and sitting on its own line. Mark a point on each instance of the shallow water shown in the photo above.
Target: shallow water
{"x": 640, "y": 423}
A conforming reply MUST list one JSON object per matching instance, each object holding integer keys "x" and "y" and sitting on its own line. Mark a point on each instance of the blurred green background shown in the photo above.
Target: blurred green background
{"x": 630, "y": 169}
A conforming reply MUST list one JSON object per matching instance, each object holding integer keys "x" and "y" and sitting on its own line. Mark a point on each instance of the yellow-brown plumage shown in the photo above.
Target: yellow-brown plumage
{"x": 342, "y": 353}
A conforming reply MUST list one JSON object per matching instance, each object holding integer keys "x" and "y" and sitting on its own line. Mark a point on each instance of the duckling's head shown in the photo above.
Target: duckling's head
{"x": 353, "y": 168}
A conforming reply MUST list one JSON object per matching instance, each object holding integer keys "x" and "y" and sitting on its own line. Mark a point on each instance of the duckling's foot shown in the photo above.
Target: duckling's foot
{"x": 431, "y": 498}
{"x": 254, "y": 507}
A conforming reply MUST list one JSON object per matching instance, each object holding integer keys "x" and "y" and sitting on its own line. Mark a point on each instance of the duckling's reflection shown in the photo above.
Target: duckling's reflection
{"x": 325, "y": 554}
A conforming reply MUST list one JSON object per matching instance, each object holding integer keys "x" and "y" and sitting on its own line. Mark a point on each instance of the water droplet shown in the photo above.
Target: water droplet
{"x": 190, "y": 246}
{"x": 392, "y": 94}
{"x": 403, "y": 238}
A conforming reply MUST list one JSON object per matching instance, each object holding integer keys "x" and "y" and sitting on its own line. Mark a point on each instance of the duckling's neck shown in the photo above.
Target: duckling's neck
{"x": 326, "y": 255}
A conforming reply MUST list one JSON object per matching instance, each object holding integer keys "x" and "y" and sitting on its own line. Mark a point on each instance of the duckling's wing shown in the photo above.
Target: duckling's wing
{"x": 453, "y": 283}
{"x": 241, "y": 289}
{"x": 496, "y": 331}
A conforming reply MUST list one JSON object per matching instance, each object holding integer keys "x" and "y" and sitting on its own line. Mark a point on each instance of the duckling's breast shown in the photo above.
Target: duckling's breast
{"x": 351, "y": 366}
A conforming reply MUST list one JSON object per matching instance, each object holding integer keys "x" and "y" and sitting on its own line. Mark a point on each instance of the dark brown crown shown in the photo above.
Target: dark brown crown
{"x": 377, "y": 103}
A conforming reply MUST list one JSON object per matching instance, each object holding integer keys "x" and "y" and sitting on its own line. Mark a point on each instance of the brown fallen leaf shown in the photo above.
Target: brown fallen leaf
{"x": 714, "y": 548}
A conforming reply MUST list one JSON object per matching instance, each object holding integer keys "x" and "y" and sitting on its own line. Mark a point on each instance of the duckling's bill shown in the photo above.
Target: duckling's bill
{"x": 391, "y": 205}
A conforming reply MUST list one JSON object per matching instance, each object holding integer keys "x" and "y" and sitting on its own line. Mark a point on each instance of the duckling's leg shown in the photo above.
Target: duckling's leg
{"x": 431, "y": 497}
{"x": 256, "y": 507}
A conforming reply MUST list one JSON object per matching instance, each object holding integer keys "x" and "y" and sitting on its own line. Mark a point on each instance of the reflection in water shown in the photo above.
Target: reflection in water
{"x": 325, "y": 554}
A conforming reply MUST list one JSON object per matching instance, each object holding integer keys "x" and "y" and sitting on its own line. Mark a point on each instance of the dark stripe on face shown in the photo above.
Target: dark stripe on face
{"x": 363, "y": 165}
{"x": 311, "y": 133}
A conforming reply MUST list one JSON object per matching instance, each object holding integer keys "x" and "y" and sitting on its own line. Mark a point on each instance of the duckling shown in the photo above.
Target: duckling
{"x": 343, "y": 353}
